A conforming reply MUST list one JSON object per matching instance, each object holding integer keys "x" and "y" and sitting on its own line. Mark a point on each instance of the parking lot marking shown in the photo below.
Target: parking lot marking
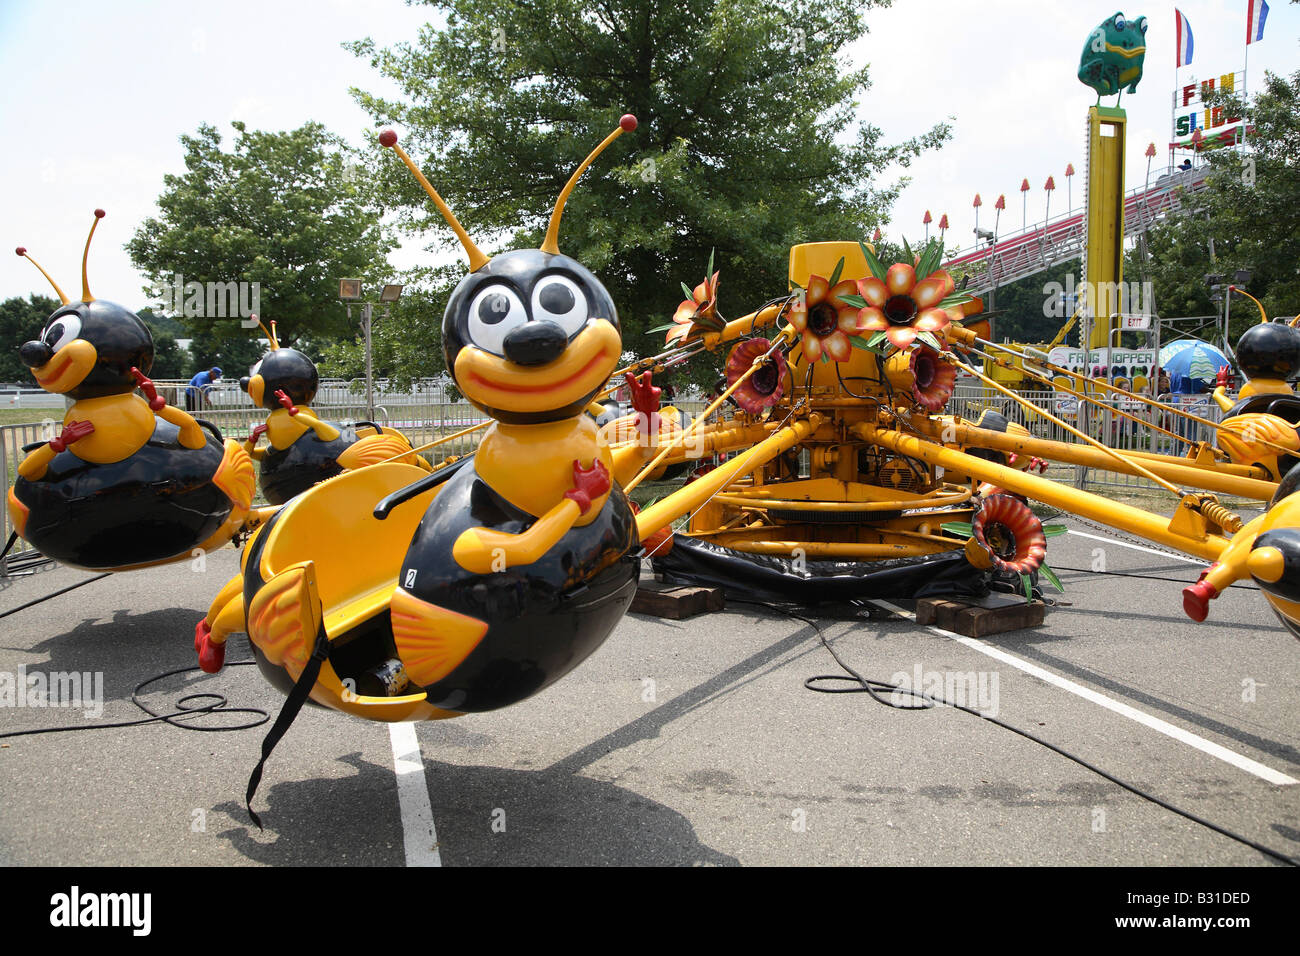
{"x": 1135, "y": 547}
{"x": 1124, "y": 710}
{"x": 418, "y": 834}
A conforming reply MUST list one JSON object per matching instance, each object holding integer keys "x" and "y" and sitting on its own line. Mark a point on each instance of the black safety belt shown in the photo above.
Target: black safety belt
{"x": 288, "y": 713}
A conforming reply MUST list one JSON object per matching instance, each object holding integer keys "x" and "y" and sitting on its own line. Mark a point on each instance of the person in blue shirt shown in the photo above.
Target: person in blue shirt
{"x": 196, "y": 393}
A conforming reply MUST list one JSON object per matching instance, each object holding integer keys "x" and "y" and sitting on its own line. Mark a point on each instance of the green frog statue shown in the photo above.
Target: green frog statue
{"x": 1112, "y": 57}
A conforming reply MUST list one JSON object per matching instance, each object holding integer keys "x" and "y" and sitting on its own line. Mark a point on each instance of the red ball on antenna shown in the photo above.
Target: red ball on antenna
{"x": 387, "y": 138}
{"x": 627, "y": 122}
{"x": 21, "y": 250}
{"x": 100, "y": 214}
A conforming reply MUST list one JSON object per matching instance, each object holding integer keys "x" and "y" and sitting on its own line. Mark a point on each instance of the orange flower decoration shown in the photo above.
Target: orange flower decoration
{"x": 824, "y": 321}
{"x": 698, "y": 313}
{"x": 901, "y": 307}
{"x": 764, "y": 387}
{"x": 1010, "y": 533}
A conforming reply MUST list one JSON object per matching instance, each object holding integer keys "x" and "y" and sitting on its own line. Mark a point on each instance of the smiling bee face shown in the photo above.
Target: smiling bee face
{"x": 531, "y": 336}
{"x": 87, "y": 350}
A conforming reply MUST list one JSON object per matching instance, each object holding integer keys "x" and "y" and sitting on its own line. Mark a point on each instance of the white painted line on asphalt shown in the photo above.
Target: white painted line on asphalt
{"x": 1135, "y": 547}
{"x": 1124, "y": 710}
{"x": 418, "y": 834}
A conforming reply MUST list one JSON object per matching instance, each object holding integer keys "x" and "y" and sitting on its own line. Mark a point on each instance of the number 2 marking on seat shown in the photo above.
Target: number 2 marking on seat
{"x": 410, "y": 578}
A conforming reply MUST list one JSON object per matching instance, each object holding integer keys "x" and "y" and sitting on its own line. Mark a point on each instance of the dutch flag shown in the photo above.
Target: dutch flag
{"x": 1256, "y": 14}
{"x": 1183, "y": 30}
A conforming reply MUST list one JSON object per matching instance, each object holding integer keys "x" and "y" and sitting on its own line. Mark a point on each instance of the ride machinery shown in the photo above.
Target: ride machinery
{"x": 393, "y": 592}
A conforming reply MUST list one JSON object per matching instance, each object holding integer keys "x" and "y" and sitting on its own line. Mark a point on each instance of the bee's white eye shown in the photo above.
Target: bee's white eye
{"x": 495, "y": 311}
{"x": 558, "y": 299}
{"x": 61, "y": 332}
{"x": 1142, "y": 24}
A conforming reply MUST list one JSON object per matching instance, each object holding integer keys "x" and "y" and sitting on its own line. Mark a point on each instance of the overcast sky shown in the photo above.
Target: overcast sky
{"x": 97, "y": 94}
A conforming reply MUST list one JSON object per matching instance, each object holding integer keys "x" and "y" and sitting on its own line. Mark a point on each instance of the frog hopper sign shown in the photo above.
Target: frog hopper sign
{"x": 1132, "y": 369}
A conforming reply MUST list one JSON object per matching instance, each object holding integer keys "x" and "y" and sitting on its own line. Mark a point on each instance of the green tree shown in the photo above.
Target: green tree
{"x": 1248, "y": 217}
{"x": 290, "y": 211}
{"x": 20, "y": 321}
{"x": 169, "y": 359}
{"x": 748, "y": 142}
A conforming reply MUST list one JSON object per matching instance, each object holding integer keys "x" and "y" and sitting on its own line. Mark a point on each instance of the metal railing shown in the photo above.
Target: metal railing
{"x": 1028, "y": 251}
{"x": 430, "y": 411}
{"x": 1105, "y": 425}
{"x": 12, "y": 439}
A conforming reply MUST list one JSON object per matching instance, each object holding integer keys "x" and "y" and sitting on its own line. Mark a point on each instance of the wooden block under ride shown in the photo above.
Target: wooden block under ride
{"x": 676, "y": 603}
{"x": 972, "y": 620}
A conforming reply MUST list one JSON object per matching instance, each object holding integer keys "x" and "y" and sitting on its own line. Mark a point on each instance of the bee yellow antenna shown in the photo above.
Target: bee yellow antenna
{"x": 552, "y": 241}
{"x": 270, "y": 333}
{"x": 476, "y": 258}
{"x": 85, "y": 282}
{"x": 22, "y": 251}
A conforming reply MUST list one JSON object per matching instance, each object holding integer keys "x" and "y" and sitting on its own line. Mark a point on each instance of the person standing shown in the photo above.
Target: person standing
{"x": 196, "y": 393}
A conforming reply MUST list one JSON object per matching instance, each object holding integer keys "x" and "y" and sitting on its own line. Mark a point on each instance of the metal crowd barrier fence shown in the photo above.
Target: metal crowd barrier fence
{"x": 431, "y": 411}
{"x": 1104, "y": 425}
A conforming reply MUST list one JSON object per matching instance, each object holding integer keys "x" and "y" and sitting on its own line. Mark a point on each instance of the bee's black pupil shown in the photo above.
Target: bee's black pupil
{"x": 53, "y": 334}
{"x": 556, "y": 298}
{"x": 493, "y": 308}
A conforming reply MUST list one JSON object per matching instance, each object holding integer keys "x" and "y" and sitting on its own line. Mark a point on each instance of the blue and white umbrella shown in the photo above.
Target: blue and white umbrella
{"x": 1192, "y": 359}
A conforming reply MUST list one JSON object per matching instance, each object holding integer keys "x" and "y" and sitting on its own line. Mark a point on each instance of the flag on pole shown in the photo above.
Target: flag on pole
{"x": 1256, "y": 14}
{"x": 1183, "y": 31}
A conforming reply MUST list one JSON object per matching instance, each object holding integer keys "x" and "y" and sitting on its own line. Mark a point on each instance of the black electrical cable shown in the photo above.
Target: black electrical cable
{"x": 861, "y": 684}
{"x": 184, "y": 708}
{"x": 1148, "y": 577}
{"x": 54, "y": 594}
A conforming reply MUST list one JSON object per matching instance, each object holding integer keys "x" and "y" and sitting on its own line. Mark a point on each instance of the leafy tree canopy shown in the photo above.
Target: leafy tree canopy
{"x": 289, "y": 211}
{"x": 748, "y": 142}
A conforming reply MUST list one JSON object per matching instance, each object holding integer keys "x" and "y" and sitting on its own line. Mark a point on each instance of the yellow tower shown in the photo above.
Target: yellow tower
{"x": 1103, "y": 255}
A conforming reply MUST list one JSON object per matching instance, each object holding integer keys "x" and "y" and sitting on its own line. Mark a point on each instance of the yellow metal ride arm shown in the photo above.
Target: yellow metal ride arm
{"x": 1094, "y": 507}
{"x": 663, "y": 512}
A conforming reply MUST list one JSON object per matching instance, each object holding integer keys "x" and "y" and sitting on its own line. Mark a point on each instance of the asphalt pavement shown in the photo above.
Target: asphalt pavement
{"x": 688, "y": 742}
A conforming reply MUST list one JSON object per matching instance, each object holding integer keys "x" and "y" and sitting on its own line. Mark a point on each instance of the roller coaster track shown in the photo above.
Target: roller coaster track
{"x": 991, "y": 264}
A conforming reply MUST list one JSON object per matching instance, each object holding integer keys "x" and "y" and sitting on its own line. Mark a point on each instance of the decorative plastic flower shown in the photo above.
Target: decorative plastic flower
{"x": 1009, "y": 537}
{"x": 908, "y": 301}
{"x": 698, "y": 313}
{"x": 1011, "y": 533}
{"x": 900, "y": 306}
{"x": 927, "y": 378}
{"x": 824, "y": 321}
{"x": 763, "y": 389}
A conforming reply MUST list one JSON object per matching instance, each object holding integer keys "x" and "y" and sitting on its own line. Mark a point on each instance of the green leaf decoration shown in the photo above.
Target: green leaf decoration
{"x": 661, "y": 328}
{"x": 825, "y": 359}
{"x": 854, "y": 300}
{"x": 839, "y": 268}
{"x": 957, "y": 298}
{"x": 1029, "y": 588}
{"x": 929, "y": 339}
{"x": 1052, "y": 530}
{"x": 873, "y": 263}
{"x": 709, "y": 272}
{"x": 909, "y": 256}
{"x": 877, "y": 339}
{"x": 961, "y": 528}
{"x": 1051, "y": 577}
{"x": 930, "y": 257}
{"x": 690, "y": 293}
{"x": 796, "y": 284}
